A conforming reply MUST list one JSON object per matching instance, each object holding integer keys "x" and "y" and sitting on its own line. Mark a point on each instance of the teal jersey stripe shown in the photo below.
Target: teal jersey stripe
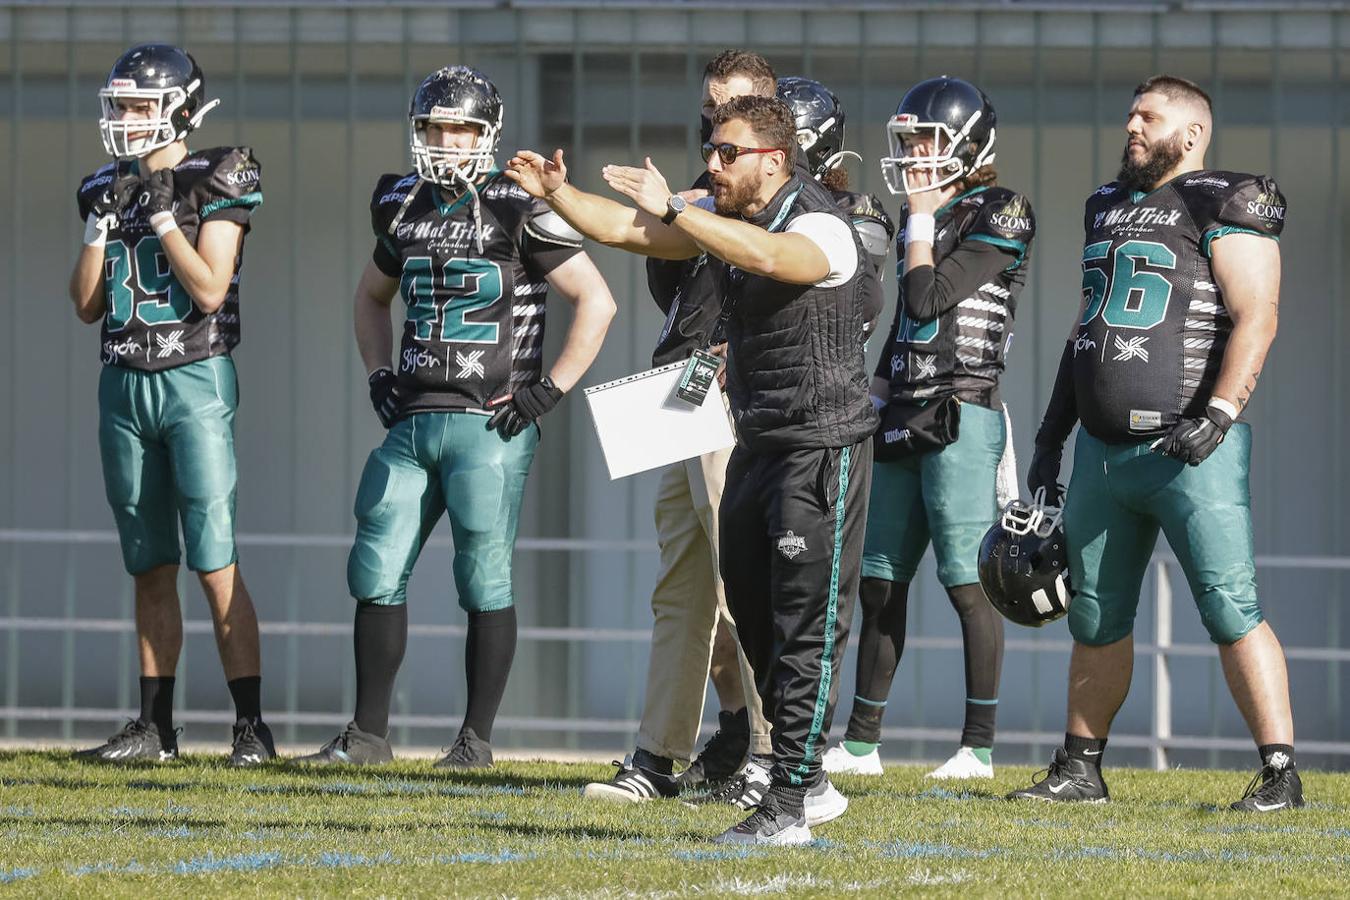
{"x": 250, "y": 200}
{"x": 831, "y": 615}
{"x": 1017, "y": 247}
{"x": 1219, "y": 232}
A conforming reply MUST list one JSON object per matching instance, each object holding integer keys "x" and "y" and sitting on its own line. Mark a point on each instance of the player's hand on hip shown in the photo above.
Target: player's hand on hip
{"x": 644, "y": 185}
{"x": 537, "y": 175}
{"x": 1044, "y": 472}
{"x": 515, "y": 412}
{"x": 384, "y": 395}
{"x": 1193, "y": 440}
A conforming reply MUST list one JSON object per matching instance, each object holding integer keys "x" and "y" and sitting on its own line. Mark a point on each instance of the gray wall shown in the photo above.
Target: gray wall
{"x": 321, "y": 95}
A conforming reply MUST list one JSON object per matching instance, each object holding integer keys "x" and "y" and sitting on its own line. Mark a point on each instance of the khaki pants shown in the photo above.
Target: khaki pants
{"x": 686, "y": 603}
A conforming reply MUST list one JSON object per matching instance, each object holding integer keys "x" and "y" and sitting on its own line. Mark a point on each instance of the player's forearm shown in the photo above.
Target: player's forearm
{"x": 754, "y": 249}
{"x": 86, "y": 285}
{"x": 207, "y": 287}
{"x": 374, "y": 333}
{"x": 1244, "y": 356}
{"x": 590, "y": 323}
{"x": 1061, "y": 413}
{"x": 599, "y": 218}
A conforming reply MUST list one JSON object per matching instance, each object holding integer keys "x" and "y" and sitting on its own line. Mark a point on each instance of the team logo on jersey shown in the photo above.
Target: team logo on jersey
{"x": 927, "y": 365}
{"x": 1145, "y": 419}
{"x": 790, "y": 545}
{"x": 1266, "y": 206}
{"x": 897, "y": 364}
{"x": 242, "y": 174}
{"x": 1209, "y": 180}
{"x": 470, "y": 364}
{"x": 1140, "y": 217}
{"x": 415, "y": 358}
{"x": 115, "y": 350}
{"x": 1015, "y": 215}
{"x": 1131, "y": 348}
{"x": 168, "y": 344}
{"x": 1083, "y": 342}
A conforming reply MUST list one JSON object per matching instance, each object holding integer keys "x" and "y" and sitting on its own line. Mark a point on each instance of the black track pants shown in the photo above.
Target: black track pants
{"x": 791, "y": 554}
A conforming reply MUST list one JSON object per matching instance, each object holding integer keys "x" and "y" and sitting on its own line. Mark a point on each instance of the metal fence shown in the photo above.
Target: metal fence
{"x": 320, "y": 89}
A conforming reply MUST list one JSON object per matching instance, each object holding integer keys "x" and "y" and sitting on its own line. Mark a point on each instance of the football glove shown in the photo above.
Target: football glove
{"x": 515, "y": 412}
{"x": 157, "y": 192}
{"x": 116, "y": 196}
{"x": 1193, "y": 440}
{"x": 1044, "y": 472}
{"x": 384, "y": 395}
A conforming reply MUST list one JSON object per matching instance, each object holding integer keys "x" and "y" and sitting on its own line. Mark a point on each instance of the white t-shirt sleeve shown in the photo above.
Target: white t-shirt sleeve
{"x": 707, "y": 203}
{"x": 834, "y": 237}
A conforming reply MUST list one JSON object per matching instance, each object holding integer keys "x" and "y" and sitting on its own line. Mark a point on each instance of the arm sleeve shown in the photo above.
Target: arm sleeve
{"x": 547, "y": 241}
{"x": 1062, "y": 412}
{"x": 930, "y": 292}
{"x": 234, "y": 189}
{"x": 835, "y": 239}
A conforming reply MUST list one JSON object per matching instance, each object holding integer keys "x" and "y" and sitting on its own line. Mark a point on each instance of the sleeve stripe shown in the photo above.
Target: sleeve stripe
{"x": 1216, "y": 233}
{"x": 250, "y": 200}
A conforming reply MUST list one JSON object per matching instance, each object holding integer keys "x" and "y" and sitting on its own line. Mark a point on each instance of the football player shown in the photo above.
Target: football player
{"x": 1181, "y": 290}
{"x": 473, "y": 257}
{"x": 962, "y": 265}
{"x": 163, "y": 246}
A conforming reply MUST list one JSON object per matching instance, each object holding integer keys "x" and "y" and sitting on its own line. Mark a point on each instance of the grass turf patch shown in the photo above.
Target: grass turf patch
{"x": 522, "y": 829}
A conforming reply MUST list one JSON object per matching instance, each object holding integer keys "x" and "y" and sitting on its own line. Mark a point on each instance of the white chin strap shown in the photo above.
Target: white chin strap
{"x": 833, "y": 161}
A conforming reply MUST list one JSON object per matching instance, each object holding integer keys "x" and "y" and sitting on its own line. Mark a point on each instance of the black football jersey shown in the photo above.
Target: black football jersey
{"x": 962, "y": 351}
{"x": 151, "y": 323}
{"x": 1154, "y": 328}
{"x": 475, "y": 323}
{"x": 877, "y": 231}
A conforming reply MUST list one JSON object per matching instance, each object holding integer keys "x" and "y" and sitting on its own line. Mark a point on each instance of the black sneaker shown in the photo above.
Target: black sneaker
{"x": 352, "y": 747}
{"x": 1067, "y": 780}
{"x": 467, "y": 752}
{"x": 1276, "y": 786}
{"x": 253, "y": 744}
{"x": 771, "y": 824}
{"x": 632, "y": 784}
{"x": 724, "y": 753}
{"x": 138, "y": 740}
{"x": 745, "y": 790}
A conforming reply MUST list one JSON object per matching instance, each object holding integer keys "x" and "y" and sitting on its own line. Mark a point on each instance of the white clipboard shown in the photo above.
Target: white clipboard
{"x": 643, "y": 425}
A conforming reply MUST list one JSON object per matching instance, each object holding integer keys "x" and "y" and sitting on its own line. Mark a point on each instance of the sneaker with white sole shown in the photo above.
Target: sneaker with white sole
{"x": 769, "y": 824}
{"x": 632, "y": 784}
{"x": 824, "y": 803}
{"x": 963, "y": 764}
{"x": 744, "y": 790}
{"x": 839, "y": 761}
{"x": 1276, "y": 786}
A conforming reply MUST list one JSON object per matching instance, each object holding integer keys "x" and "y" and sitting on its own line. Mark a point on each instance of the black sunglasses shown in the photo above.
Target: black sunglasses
{"x": 728, "y": 152}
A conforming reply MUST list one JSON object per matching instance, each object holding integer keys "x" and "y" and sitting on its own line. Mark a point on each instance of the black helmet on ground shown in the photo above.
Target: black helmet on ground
{"x": 1024, "y": 563}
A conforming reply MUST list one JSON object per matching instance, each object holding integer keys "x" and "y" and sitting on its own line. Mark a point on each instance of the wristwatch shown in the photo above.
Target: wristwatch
{"x": 674, "y": 206}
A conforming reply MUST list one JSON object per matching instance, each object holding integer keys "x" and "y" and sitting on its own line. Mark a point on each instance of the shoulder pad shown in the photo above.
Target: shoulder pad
{"x": 1005, "y": 216}
{"x": 502, "y": 188}
{"x": 547, "y": 225}
{"x": 222, "y": 177}
{"x": 866, "y": 206}
{"x": 92, "y": 185}
{"x": 387, "y": 198}
{"x": 1234, "y": 200}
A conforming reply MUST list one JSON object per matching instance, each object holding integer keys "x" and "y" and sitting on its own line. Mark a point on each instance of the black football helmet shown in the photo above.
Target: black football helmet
{"x": 1024, "y": 563}
{"x": 164, "y": 74}
{"x": 819, "y": 119}
{"x": 959, "y": 120}
{"x": 455, "y": 94}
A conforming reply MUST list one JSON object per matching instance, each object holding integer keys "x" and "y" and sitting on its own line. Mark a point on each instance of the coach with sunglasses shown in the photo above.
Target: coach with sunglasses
{"x": 789, "y": 266}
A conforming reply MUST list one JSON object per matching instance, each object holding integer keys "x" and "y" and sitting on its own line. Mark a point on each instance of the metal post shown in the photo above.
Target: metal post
{"x": 1162, "y": 678}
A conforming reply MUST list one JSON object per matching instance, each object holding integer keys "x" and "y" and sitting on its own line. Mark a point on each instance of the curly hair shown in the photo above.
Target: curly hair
{"x": 768, "y": 117}
{"x": 748, "y": 63}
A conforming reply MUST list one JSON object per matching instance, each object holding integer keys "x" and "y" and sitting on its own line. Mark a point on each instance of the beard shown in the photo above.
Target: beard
{"x": 730, "y": 197}
{"x": 1158, "y": 160}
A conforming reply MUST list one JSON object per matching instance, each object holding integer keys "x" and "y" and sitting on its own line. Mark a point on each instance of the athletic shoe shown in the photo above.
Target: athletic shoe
{"x": 1276, "y": 786}
{"x": 352, "y": 747}
{"x": 824, "y": 803}
{"x": 768, "y": 824}
{"x": 253, "y": 744}
{"x": 632, "y": 784}
{"x": 138, "y": 740}
{"x": 724, "y": 753}
{"x": 745, "y": 790}
{"x": 839, "y": 761}
{"x": 1067, "y": 780}
{"x": 467, "y": 752}
{"x": 964, "y": 764}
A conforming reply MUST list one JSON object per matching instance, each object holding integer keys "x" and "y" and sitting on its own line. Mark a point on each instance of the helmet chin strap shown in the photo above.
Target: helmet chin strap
{"x": 407, "y": 202}
{"x": 477, "y": 211}
{"x": 835, "y": 159}
{"x": 197, "y": 117}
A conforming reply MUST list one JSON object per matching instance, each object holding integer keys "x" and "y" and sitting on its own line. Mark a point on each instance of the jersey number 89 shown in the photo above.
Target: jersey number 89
{"x": 166, "y": 300}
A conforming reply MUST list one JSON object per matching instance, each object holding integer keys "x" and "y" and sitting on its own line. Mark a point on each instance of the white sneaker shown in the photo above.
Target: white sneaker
{"x": 824, "y": 803}
{"x": 965, "y": 764}
{"x": 838, "y": 761}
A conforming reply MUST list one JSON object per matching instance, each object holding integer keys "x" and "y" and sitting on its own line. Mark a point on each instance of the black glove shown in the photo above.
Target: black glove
{"x": 1193, "y": 440}
{"x": 1044, "y": 472}
{"x": 515, "y": 412}
{"x": 384, "y": 395}
{"x": 157, "y": 192}
{"x": 116, "y": 196}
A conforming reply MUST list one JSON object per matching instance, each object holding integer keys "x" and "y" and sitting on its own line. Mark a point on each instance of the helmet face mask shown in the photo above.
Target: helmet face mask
{"x": 159, "y": 75}
{"x": 455, "y": 95}
{"x": 956, "y": 122}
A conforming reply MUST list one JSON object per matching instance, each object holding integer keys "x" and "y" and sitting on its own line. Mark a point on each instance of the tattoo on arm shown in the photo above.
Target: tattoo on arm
{"x": 1245, "y": 393}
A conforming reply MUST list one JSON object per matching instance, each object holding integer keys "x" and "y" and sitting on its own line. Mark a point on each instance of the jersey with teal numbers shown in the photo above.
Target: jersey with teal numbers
{"x": 1154, "y": 325}
{"x": 151, "y": 322}
{"x": 475, "y": 316}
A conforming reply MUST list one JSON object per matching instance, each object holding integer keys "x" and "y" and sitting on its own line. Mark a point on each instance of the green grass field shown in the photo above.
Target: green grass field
{"x": 196, "y": 827}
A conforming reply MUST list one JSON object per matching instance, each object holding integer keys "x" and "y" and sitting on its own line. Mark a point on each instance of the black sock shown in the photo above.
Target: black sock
{"x": 1089, "y": 750}
{"x": 380, "y": 636}
{"x": 791, "y": 798}
{"x": 982, "y": 637}
{"x": 488, "y": 651}
{"x": 653, "y": 763}
{"x": 1269, "y": 750}
{"x": 157, "y": 702}
{"x": 247, "y": 694}
{"x": 881, "y": 642}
